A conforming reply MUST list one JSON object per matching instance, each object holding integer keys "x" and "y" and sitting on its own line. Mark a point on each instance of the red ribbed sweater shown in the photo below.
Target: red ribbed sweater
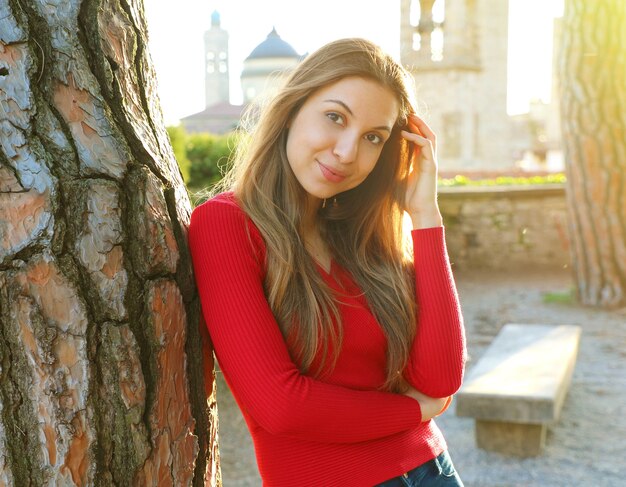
{"x": 340, "y": 431}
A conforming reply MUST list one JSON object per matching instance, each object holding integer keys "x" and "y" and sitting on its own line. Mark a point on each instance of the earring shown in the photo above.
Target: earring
{"x": 324, "y": 203}
{"x": 335, "y": 203}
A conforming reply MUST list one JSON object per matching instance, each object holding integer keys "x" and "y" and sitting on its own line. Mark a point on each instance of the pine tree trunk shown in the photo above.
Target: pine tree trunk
{"x": 592, "y": 77}
{"x": 101, "y": 356}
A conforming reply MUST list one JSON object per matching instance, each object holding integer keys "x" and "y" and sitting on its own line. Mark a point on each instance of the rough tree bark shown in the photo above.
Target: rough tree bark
{"x": 592, "y": 77}
{"x": 101, "y": 362}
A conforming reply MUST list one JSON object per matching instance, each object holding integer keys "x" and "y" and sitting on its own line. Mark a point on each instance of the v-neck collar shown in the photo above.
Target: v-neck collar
{"x": 329, "y": 272}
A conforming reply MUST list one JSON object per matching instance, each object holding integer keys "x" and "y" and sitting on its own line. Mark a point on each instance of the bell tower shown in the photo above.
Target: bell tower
{"x": 216, "y": 77}
{"x": 457, "y": 53}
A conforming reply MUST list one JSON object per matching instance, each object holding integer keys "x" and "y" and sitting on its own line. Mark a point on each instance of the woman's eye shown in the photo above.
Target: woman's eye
{"x": 335, "y": 117}
{"x": 374, "y": 139}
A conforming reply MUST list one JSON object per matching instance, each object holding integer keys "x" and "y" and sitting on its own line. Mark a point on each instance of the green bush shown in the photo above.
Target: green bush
{"x": 210, "y": 157}
{"x": 178, "y": 137}
{"x": 202, "y": 157}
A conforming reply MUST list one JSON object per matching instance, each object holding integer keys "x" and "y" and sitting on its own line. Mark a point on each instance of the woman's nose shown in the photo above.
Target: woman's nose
{"x": 346, "y": 148}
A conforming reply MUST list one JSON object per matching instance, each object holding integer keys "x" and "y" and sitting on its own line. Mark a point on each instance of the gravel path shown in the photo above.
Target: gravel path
{"x": 588, "y": 445}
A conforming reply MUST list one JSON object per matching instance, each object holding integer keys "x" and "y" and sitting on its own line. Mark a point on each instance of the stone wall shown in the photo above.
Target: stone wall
{"x": 506, "y": 227}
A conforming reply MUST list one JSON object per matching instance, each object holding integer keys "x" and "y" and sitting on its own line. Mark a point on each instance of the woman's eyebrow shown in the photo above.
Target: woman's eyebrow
{"x": 339, "y": 102}
{"x": 347, "y": 108}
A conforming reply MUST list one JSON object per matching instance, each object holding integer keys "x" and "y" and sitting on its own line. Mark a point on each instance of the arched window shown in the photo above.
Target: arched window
{"x": 428, "y": 16}
{"x": 437, "y": 36}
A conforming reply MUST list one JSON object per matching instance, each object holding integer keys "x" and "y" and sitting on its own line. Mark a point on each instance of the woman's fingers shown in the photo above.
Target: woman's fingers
{"x": 417, "y": 138}
{"x": 424, "y": 145}
{"x": 421, "y": 128}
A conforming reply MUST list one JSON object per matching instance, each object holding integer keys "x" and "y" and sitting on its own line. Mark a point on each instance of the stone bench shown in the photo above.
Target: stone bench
{"x": 518, "y": 387}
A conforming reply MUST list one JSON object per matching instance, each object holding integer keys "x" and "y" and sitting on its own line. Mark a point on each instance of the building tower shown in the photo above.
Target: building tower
{"x": 216, "y": 79}
{"x": 457, "y": 53}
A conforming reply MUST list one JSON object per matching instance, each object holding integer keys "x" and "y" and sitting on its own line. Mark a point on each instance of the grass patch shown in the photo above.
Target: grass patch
{"x": 560, "y": 297}
{"x": 460, "y": 180}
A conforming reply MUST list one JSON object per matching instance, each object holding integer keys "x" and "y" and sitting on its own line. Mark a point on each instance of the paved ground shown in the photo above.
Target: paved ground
{"x": 588, "y": 445}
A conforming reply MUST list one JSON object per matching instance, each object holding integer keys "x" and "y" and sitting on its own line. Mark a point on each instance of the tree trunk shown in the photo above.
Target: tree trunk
{"x": 592, "y": 77}
{"x": 102, "y": 369}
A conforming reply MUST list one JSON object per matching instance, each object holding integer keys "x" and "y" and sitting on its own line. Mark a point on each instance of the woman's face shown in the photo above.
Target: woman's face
{"x": 336, "y": 138}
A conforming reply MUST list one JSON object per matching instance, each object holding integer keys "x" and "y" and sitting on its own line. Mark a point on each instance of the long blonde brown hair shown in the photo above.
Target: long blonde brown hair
{"x": 364, "y": 231}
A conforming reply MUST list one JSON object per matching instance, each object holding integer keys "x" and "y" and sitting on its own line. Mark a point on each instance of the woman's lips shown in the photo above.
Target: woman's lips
{"x": 330, "y": 174}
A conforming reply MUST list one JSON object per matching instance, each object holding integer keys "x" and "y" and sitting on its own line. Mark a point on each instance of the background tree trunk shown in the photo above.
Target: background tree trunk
{"x": 592, "y": 77}
{"x": 101, "y": 356}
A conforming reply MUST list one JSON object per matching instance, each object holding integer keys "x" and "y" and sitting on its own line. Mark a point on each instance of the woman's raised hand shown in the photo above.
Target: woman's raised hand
{"x": 421, "y": 195}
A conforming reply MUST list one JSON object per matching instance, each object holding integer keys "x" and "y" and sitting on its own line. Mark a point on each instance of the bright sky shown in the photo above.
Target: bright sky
{"x": 176, "y": 30}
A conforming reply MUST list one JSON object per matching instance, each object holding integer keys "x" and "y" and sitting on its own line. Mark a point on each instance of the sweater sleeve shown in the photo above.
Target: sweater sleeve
{"x": 438, "y": 354}
{"x": 253, "y": 355}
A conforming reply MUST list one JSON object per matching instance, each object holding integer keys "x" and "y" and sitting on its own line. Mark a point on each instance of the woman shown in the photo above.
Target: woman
{"x": 338, "y": 348}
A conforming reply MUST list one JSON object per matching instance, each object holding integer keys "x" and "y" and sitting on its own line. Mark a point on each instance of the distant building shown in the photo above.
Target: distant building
{"x": 220, "y": 118}
{"x": 528, "y": 137}
{"x": 267, "y": 66}
{"x": 264, "y": 69}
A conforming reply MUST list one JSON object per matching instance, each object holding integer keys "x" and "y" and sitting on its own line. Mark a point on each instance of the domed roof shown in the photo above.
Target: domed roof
{"x": 272, "y": 47}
